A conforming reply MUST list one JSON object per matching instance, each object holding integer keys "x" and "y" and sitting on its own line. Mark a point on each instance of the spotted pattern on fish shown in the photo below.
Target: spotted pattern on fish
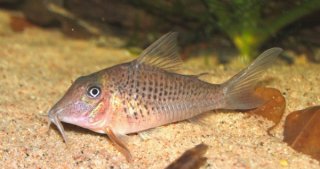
{"x": 155, "y": 95}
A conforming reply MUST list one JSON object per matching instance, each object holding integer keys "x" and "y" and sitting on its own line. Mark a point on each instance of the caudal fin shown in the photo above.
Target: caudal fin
{"x": 239, "y": 90}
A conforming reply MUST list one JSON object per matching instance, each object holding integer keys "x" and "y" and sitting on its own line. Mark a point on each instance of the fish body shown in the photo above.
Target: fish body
{"x": 146, "y": 93}
{"x": 149, "y": 97}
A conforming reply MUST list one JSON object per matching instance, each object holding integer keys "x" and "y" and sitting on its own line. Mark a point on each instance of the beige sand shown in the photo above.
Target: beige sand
{"x": 37, "y": 66}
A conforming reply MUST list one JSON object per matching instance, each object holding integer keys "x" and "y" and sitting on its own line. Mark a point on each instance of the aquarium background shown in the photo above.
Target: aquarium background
{"x": 207, "y": 26}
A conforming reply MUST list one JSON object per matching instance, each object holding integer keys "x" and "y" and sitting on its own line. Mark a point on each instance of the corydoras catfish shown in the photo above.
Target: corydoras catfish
{"x": 146, "y": 93}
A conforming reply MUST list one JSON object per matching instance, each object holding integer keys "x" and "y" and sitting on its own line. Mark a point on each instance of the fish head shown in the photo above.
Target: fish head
{"x": 85, "y": 104}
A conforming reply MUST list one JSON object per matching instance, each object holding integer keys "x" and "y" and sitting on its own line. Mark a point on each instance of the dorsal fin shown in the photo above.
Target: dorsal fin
{"x": 162, "y": 54}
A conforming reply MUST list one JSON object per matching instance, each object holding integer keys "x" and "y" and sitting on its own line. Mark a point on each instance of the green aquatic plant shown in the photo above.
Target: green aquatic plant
{"x": 244, "y": 23}
{"x": 247, "y": 23}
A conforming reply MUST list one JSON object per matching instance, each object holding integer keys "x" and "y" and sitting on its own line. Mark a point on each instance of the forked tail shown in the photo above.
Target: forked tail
{"x": 239, "y": 90}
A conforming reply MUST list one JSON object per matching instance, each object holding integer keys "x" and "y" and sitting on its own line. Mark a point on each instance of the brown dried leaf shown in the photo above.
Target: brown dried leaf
{"x": 19, "y": 24}
{"x": 273, "y": 108}
{"x": 191, "y": 159}
{"x": 302, "y": 131}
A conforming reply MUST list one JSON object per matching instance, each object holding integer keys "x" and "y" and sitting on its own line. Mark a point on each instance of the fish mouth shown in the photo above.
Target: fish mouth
{"x": 53, "y": 118}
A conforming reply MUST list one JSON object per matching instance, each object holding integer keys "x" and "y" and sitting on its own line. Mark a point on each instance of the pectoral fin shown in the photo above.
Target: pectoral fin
{"x": 119, "y": 143}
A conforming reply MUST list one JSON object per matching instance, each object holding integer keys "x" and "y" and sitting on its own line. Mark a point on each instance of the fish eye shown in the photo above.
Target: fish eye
{"x": 93, "y": 91}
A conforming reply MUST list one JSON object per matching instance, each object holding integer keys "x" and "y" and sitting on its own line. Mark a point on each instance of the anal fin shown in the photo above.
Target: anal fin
{"x": 201, "y": 119}
{"x": 147, "y": 134}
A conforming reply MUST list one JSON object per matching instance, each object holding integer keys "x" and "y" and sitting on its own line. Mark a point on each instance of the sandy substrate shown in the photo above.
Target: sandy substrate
{"x": 37, "y": 66}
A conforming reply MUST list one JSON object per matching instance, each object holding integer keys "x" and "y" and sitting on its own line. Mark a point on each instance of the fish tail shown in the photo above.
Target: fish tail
{"x": 239, "y": 90}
